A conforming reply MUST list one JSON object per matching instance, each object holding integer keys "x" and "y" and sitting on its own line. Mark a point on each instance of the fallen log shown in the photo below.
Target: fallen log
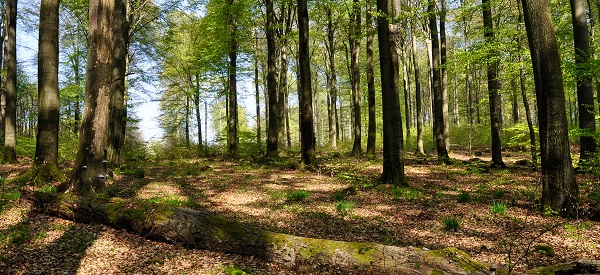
{"x": 205, "y": 230}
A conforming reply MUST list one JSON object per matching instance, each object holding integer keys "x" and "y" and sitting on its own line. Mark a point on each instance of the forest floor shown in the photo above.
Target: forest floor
{"x": 491, "y": 214}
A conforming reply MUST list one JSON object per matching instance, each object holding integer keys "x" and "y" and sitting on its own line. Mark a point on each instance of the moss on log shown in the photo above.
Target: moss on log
{"x": 205, "y": 230}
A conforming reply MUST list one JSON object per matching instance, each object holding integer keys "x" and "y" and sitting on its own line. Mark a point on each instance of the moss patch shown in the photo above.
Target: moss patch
{"x": 140, "y": 212}
{"x": 461, "y": 258}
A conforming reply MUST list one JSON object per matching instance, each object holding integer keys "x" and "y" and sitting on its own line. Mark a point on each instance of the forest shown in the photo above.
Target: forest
{"x": 299, "y": 137}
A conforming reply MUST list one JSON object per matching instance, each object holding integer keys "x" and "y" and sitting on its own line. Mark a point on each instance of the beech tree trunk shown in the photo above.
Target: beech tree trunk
{"x": 560, "y": 192}
{"x": 118, "y": 108}
{"x": 89, "y": 172}
{"x": 46, "y": 149}
{"x": 273, "y": 119}
{"x": 232, "y": 124}
{"x": 307, "y": 132}
{"x": 418, "y": 100}
{"x": 393, "y": 140}
{"x": 444, "y": 72}
{"x": 10, "y": 57}
{"x": 256, "y": 95}
{"x": 585, "y": 92}
{"x": 372, "y": 131}
{"x": 493, "y": 86}
{"x": 528, "y": 114}
{"x": 332, "y": 82}
{"x": 355, "y": 36}
{"x": 439, "y": 123}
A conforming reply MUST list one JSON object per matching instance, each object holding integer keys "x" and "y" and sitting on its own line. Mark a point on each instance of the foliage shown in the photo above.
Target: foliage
{"x": 451, "y": 223}
{"x": 298, "y": 195}
{"x": 464, "y": 196}
{"x": 498, "y": 208}
{"x": 344, "y": 207}
{"x": 408, "y": 193}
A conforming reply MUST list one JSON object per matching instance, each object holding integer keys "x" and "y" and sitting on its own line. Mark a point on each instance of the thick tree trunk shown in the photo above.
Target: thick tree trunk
{"x": 232, "y": 135}
{"x": 46, "y": 151}
{"x": 439, "y": 122}
{"x": 493, "y": 86}
{"x": 355, "y": 36}
{"x": 89, "y": 172}
{"x": 585, "y": 91}
{"x": 372, "y": 131}
{"x": 10, "y": 57}
{"x": 118, "y": 108}
{"x": 444, "y": 71}
{"x": 393, "y": 140}
{"x": 307, "y": 133}
{"x": 204, "y": 230}
{"x": 332, "y": 82}
{"x": 560, "y": 192}
{"x": 273, "y": 119}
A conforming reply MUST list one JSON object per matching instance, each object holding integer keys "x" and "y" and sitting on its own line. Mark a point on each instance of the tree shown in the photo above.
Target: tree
{"x": 585, "y": 92}
{"x": 439, "y": 100}
{"x": 559, "y": 188}
{"x": 272, "y": 133}
{"x": 372, "y": 125}
{"x": 393, "y": 143}
{"x": 89, "y": 172}
{"x": 46, "y": 149}
{"x": 307, "y": 134}
{"x": 418, "y": 101}
{"x": 493, "y": 85}
{"x": 332, "y": 81}
{"x": 232, "y": 136}
{"x": 10, "y": 57}
{"x": 354, "y": 41}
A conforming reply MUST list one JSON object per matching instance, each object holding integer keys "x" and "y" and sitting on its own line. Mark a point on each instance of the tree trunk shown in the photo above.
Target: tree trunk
{"x": 118, "y": 108}
{"x": 355, "y": 35}
{"x": 439, "y": 122}
{"x": 418, "y": 100}
{"x": 187, "y": 121}
{"x": 372, "y": 132}
{"x": 307, "y": 133}
{"x": 204, "y": 230}
{"x": 393, "y": 143}
{"x": 493, "y": 86}
{"x": 10, "y": 57}
{"x": 585, "y": 92}
{"x": 89, "y": 172}
{"x": 46, "y": 150}
{"x": 198, "y": 116}
{"x": 272, "y": 134}
{"x": 257, "y": 92}
{"x": 560, "y": 192}
{"x": 444, "y": 71}
{"x": 514, "y": 98}
{"x": 232, "y": 135}
{"x": 332, "y": 83}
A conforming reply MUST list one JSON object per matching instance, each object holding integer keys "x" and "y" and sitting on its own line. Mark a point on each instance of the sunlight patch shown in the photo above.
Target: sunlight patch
{"x": 160, "y": 190}
{"x": 13, "y": 215}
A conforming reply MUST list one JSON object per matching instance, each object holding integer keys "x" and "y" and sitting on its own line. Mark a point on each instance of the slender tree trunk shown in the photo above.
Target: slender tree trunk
{"x": 89, "y": 172}
{"x": 232, "y": 136}
{"x": 493, "y": 86}
{"x": 393, "y": 151}
{"x": 187, "y": 121}
{"x": 514, "y": 97}
{"x": 257, "y": 91}
{"x": 118, "y": 108}
{"x": 406, "y": 88}
{"x": 10, "y": 57}
{"x": 438, "y": 95}
{"x": 585, "y": 91}
{"x": 444, "y": 71}
{"x": 559, "y": 189}
{"x": 77, "y": 78}
{"x": 332, "y": 83}
{"x": 288, "y": 133}
{"x": 3, "y": 39}
{"x": 198, "y": 116}
{"x": 272, "y": 134}
{"x": 307, "y": 133}
{"x": 355, "y": 79}
{"x": 418, "y": 100}
{"x": 372, "y": 132}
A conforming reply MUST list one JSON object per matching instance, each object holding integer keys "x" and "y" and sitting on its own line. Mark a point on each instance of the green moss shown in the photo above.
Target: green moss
{"x": 141, "y": 212}
{"x": 545, "y": 249}
{"x": 550, "y": 270}
{"x": 437, "y": 272}
{"x": 461, "y": 258}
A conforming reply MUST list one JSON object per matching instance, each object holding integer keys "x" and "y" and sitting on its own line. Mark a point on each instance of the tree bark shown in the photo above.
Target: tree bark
{"x": 198, "y": 116}
{"x": 256, "y": 91}
{"x": 307, "y": 133}
{"x": 354, "y": 42}
{"x": 10, "y": 57}
{"x": 46, "y": 150}
{"x": 232, "y": 136}
{"x": 493, "y": 86}
{"x": 273, "y": 121}
{"x": 444, "y": 71}
{"x": 560, "y": 192}
{"x": 585, "y": 92}
{"x": 439, "y": 122}
{"x": 372, "y": 131}
{"x": 89, "y": 172}
{"x": 332, "y": 82}
{"x": 393, "y": 140}
{"x": 118, "y": 108}
{"x": 418, "y": 100}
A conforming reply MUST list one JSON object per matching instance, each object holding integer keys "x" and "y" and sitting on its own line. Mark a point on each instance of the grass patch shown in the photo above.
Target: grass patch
{"x": 406, "y": 193}
{"x": 298, "y": 195}
{"x": 451, "y": 223}
{"x": 464, "y": 197}
{"x": 499, "y": 208}
{"x": 498, "y": 193}
{"x": 344, "y": 207}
